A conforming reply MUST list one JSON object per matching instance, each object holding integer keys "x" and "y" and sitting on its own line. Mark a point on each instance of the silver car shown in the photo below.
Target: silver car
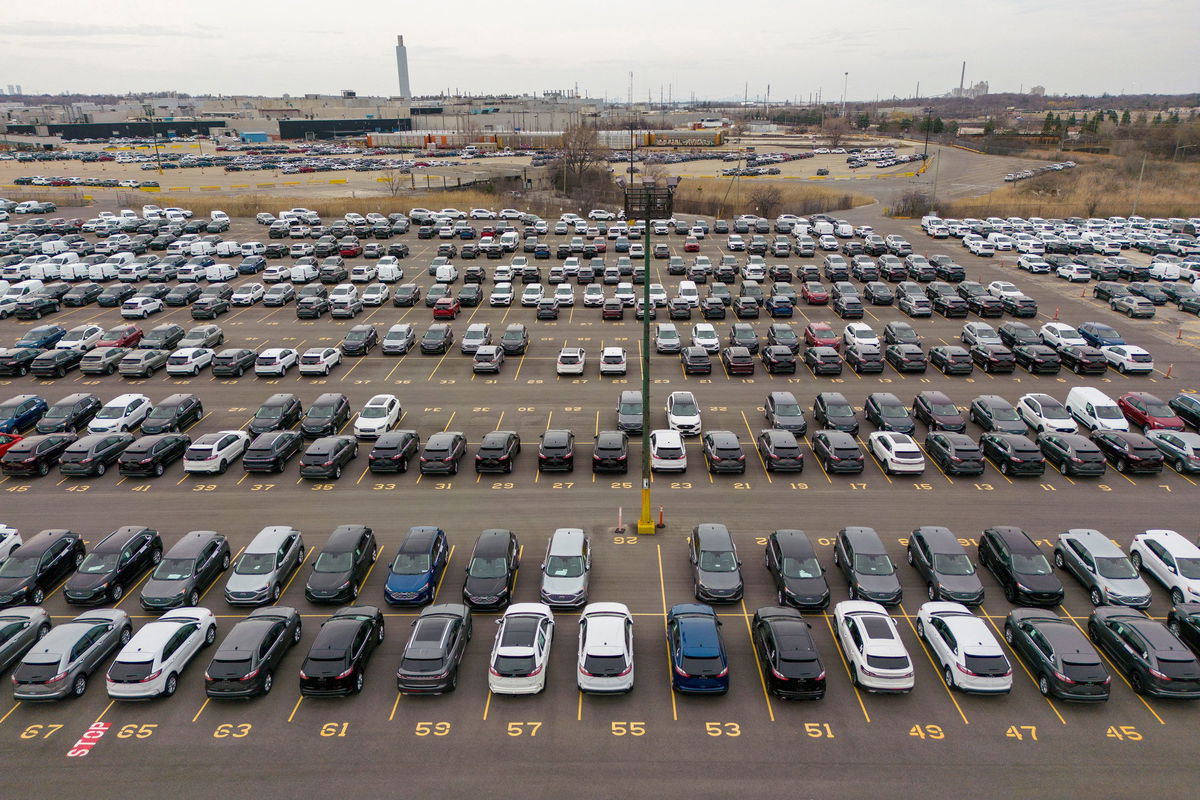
{"x": 1101, "y": 568}
{"x": 60, "y": 663}
{"x": 261, "y": 572}
{"x": 566, "y": 570}
{"x": 20, "y": 628}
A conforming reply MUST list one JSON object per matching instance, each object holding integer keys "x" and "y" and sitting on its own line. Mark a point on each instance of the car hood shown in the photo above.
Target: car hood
{"x": 811, "y": 589}
{"x": 1131, "y": 587}
{"x": 161, "y": 588}
{"x": 10, "y": 585}
{"x": 484, "y": 587}
{"x": 564, "y": 585}
{"x": 1010, "y": 426}
{"x": 961, "y": 584}
{"x": 263, "y": 425}
{"x": 247, "y": 583}
{"x": 1039, "y": 583}
{"x": 719, "y": 581}
{"x": 878, "y": 584}
{"x": 82, "y": 582}
{"x": 327, "y": 581}
{"x": 408, "y": 583}
{"x": 371, "y": 424}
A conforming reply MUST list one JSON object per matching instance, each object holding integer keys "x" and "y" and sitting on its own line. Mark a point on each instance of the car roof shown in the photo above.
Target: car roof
{"x": 863, "y": 539}
{"x": 492, "y": 542}
{"x": 269, "y": 539}
{"x": 713, "y": 536}
{"x": 1094, "y": 542}
{"x": 191, "y": 544}
{"x": 939, "y": 539}
{"x": 344, "y": 537}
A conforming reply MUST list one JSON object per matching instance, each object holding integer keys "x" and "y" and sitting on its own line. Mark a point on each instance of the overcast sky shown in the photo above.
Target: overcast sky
{"x": 712, "y": 49}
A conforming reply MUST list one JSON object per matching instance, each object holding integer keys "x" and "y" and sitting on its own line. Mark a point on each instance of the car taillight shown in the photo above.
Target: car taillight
{"x": 681, "y": 673}
{"x": 55, "y": 679}
{"x": 722, "y": 673}
{"x": 492, "y": 671}
{"x": 1159, "y": 675}
{"x": 1065, "y": 679}
{"x": 966, "y": 671}
{"x": 778, "y": 674}
{"x": 345, "y": 674}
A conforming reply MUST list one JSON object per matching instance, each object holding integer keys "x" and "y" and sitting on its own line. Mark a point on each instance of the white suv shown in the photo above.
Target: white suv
{"x": 969, "y": 655}
{"x": 571, "y": 361}
{"x": 868, "y": 637}
{"x": 1171, "y": 560}
{"x": 605, "y": 663}
{"x": 214, "y": 452}
{"x": 522, "y": 649}
{"x": 123, "y": 413}
{"x": 613, "y": 361}
{"x": 378, "y": 416}
{"x": 150, "y": 664}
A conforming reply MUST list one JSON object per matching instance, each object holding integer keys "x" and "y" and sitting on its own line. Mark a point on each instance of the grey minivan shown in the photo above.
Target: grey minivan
{"x": 260, "y": 573}
{"x": 60, "y": 663}
{"x": 1101, "y": 567}
{"x": 566, "y": 569}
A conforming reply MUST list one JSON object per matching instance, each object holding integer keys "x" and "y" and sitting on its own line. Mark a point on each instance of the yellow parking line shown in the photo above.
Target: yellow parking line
{"x": 105, "y": 711}
{"x": 842, "y": 656}
{"x": 292, "y": 715}
{"x": 392, "y": 716}
{"x": 10, "y": 711}
{"x": 437, "y": 589}
{"x": 929, "y": 655}
{"x": 761, "y": 678}
{"x": 201, "y": 711}
{"x": 295, "y": 572}
{"x": 232, "y": 561}
{"x": 746, "y": 420}
{"x": 370, "y": 569}
{"x": 132, "y": 589}
{"x": 662, "y": 586}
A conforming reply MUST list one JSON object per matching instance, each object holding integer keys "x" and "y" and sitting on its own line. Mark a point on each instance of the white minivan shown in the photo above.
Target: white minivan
{"x": 1095, "y": 410}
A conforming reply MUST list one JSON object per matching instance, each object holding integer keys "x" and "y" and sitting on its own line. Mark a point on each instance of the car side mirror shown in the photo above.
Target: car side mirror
{"x": 1173, "y": 570}
{"x": 497, "y": 621}
{"x": 543, "y": 567}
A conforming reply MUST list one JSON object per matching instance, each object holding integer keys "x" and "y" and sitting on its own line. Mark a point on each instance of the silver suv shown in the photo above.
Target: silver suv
{"x": 261, "y": 572}
{"x": 1101, "y": 567}
{"x": 566, "y": 569}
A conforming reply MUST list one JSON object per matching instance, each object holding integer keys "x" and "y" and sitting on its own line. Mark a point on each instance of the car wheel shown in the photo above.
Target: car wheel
{"x": 1058, "y": 560}
{"x": 100, "y": 470}
{"x": 276, "y": 591}
{"x": 1096, "y": 597}
{"x": 43, "y": 469}
{"x": 159, "y": 470}
{"x": 156, "y": 556}
{"x": 39, "y": 594}
{"x": 116, "y": 592}
{"x": 920, "y": 629}
{"x": 1172, "y": 626}
{"x": 852, "y": 591}
{"x": 948, "y": 673}
{"x": 932, "y": 592}
{"x": 337, "y": 472}
{"x": 1176, "y": 596}
{"x": 241, "y": 371}
{"x": 170, "y": 686}
{"x": 854, "y": 675}
{"x": 1137, "y": 683}
{"x": 1136, "y": 560}
{"x": 1121, "y": 368}
{"x": 908, "y": 556}
{"x": 404, "y": 465}
{"x": 1179, "y": 465}
{"x": 79, "y": 686}
{"x": 194, "y": 598}
{"x": 1010, "y": 593}
{"x": 1064, "y": 468}
{"x": 60, "y": 372}
{"x": 836, "y": 559}
{"x": 268, "y": 679}
{"x": 358, "y": 682}
{"x": 222, "y": 466}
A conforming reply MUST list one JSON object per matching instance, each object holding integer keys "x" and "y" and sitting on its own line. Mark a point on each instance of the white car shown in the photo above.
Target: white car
{"x": 521, "y": 651}
{"x": 532, "y": 294}
{"x": 190, "y": 360}
{"x": 482, "y": 213}
{"x": 667, "y": 451}
{"x": 858, "y": 334}
{"x": 733, "y": 244}
{"x": 637, "y": 250}
{"x": 964, "y": 647}
{"x": 253, "y": 248}
{"x": 1043, "y": 413}
{"x": 276, "y": 273}
{"x": 605, "y": 663}
{"x": 10, "y": 540}
{"x": 150, "y": 664}
{"x": 248, "y": 294}
{"x": 1003, "y": 289}
{"x": 503, "y": 274}
{"x": 319, "y": 360}
{"x": 1035, "y": 264}
{"x": 705, "y": 335}
{"x": 501, "y": 295}
{"x": 1171, "y": 560}
{"x": 571, "y": 361}
{"x": 141, "y": 307}
{"x": 364, "y": 273}
{"x": 564, "y": 294}
{"x": 377, "y": 417}
{"x": 1128, "y": 359}
{"x": 376, "y": 294}
{"x": 1060, "y": 334}
{"x": 613, "y": 361}
{"x": 275, "y": 361}
{"x": 683, "y": 413}
{"x": 593, "y": 295}
{"x": 220, "y": 273}
{"x": 81, "y": 337}
{"x": 600, "y": 215}
{"x": 123, "y": 413}
{"x": 875, "y": 654}
{"x": 214, "y": 452}
{"x": 979, "y": 247}
{"x": 1074, "y": 273}
{"x": 624, "y": 292}
{"x": 658, "y": 295}
{"x": 897, "y": 453}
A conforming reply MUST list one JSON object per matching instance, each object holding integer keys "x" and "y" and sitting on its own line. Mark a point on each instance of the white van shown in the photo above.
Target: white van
{"x": 54, "y": 247}
{"x": 106, "y": 271}
{"x": 1000, "y": 241}
{"x": 688, "y": 291}
{"x": 446, "y": 273}
{"x": 509, "y": 241}
{"x": 227, "y": 249}
{"x": 202, "y": 248}
{"x": 220, "y": 273}
{"x": 303, "y": 273}
{"x": 8, "y": 302}
{"x": 45, "y": 269}
{"x": 218, "y": 215}
{"x": 823, "y": 228}
{"x": 844, "y": 230}
{"x": 389, "y": 273}
{"x": 1164, "y": 271}
{"x": 1095, "y": 410}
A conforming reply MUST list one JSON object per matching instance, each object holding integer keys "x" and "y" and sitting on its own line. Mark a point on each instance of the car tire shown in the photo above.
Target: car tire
{"x": 43, "y": 469}
{"x": 854, "y": 676}
{"x": 1176, "y": 596}
{"x": 126, "y": 635}
{"x": 1180, "y": 466}
{"x": 1065, "y": 469}
{"x": 948, "y": 674}
{"x": 156, "y": 556}
{"x": 1136, "y": 560}
{"x": 908, "y": 556}
{"x": 276, "y": 591}
{"x": 1096, "y": 597}
{"x": 116, "y": 592}
{"x": 100, "y": 470}
{"x": 39, "y": 594}
{"x": 221, "y": 467}
{"x": 194, "y": 598}
{"x": 170, "y": 686}
{"x": 1044, "y": 685}
{"x": 931, "y": 592}
{"x": 79, "y": 686}
{"x": 159, "y": 469}
{"x": 1008, "y": 633}
{"x": 1004, "y": 468}
{"x": 1058, "y": 560}
{"x": 836, "y": 559}
{"x": 1173, "y": 626}
{"x": 1010, "y": 593}
{"x": 1137, "y": 683}
{"x": 852, "y": 592}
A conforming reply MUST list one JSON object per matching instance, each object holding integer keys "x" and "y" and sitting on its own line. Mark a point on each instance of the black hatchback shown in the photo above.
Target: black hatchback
{"x": 35, "y": 455}
{"x": 151, "y": 455}
{"x": 342, "y": 565}
{"x": 791, "y": 665}
{"x": 117, "y": 562}
{"x": 492, "y": 570}
{"x": 798, "y": 576}
{"x": 38, "y": 565}
{"x": 556, "y": 452}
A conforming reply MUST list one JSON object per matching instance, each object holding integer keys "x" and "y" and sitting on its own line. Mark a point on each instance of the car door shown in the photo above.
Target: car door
{"x": 1081, "y": 563}
{"x": 773, "y": 561}
{"x": 181, "y": 647}
{"x": 54, "y": 564}
{"x": 543, "y": 643}
{"x": 271, "y": 649}
{"x": 358, "y": 648}
{"x": 284, "y": 558}
{"x": 100, "y": 641}
{"x": 847, "y": 558}
{"x": 207, "y": 565}
{"x": 1161, "y": 565}
{"x": 921, "y": 557}
{"x": 941, "y": 640}
{"x": 1001, "y": 561}
{"x": 362, "y": 557}
{"x": 855, "y": 654}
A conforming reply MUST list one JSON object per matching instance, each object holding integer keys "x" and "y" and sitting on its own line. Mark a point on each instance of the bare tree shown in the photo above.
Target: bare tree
{"x": 581, "y": 153}
{"x": 835, "y": 129}
{"x": 766, "y": 199}
{"x": 393, "y": 180}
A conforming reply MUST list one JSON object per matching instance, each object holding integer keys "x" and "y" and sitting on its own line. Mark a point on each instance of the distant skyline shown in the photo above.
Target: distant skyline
{"x": 704, "y": 48}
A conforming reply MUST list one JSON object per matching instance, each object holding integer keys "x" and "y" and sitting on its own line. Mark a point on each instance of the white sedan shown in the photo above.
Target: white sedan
{"x": 319, "y": 360}
{"x": 876, "y": 656}
{"x": 521, "y": 651}
{"x": 275, "y": 361}
{"x": 377, "y": 417}
{"x": 969, "y": 655}
{"x": 1128, "y": 359}
{"x": 1171, "y": 560}
{"x": 248, "y": 294}
{"x": 897, "y": 452}
{"x": 188, "y": 361}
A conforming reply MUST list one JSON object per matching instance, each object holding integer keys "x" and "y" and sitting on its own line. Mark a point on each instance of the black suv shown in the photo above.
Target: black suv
{"x": 38, "y": 566}
{"x": 716, "y": 568}
{"x": 70, "y": 414}
{"x": 443, "y": 452}
{"x": 327, "y": 456}
{"x": 116, "y": 562}
{"x": 186, "y": 571}
{"x": 838, "y": 451}
{"x": 35, "y": 455}
{"x": 393, "y": 451}
{"x": 173, "y": 414}
{"x": 246, "y": 660}
{"x": 326, "y": 416}
{"x": 869, "y": 571}
{"x": 492, "y": 570}
{"x": 93, "y": 455}
{"x": 936, "y": 554}
{"x": 279, "y": 412}
{"x": 1020, "y": 567}
{"x": 497, "y": 452}
{"x": 799, "y": 579}
{"x": 151, "y": 455}
{"x": 270, "y": 452}
{"x": 557, "y": 451}
{"x": 723, "y": 452}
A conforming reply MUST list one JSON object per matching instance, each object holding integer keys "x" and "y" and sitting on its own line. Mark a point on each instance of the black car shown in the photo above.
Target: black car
{"x": 823, "y": 361}
{"x": 906, "y": 357}
{"x": 70, "y": 414}
{"x": 900, "y": 333}
{"x": 787, "y": 654}
{"x": 1058, "y": 655}
{"x": 360, "y": 340}
{"x": 36, "y": 306}
{"x": 117, "y": 562}
{"x": 429, "y": 662}
{"x": 312, "y": 307}
{"x": 437, "y": 339}
{"x": 83, "y": 294}
{"x": 556, "y": 451}
{"x": 1184, "y": 622}
{"x": 92, "y": 455}
{"x": 695, "y": 361}
{"x": 406, "y": 294}
{"x": 1020, "y": 567}
{"x": 870, "y": 574}
{"x": 233, "y": 362}
{"x": 938, "y": 412}
{"x": 878, "y": 293}
{"x": 798, "y": 576}
{"x": 1187, "y": 407}
{"x": 985, "y": 305}
{"x": 279, "y": 412}
{"x": 57, "y": 363}
{"x": 38, "y": 565}
{"x": 1037, "y": 359}
{"x": 886, "y": 412}
{"x": 1013, "y": 453}
{"x": 723, "y": 452}
{"x": 712, "y": 308}
{"x": 114, "y": 296}
{"x": 780, "y": 451}
{"x": 610, "y": 453}
{"x": 337, "y": 661}
{"x": 1083, "y": 359}
{"x": 837, "y": 452}
{"x": 246, "y": 660}
{"x": 716, "y": 569}
{"x": 1072, "y": 454}
{"x": 865, "y": 358}
{"x": 497, "y": 452}
{"x": 994, "y": 358}
{"x": 492, "y": 570}
{"x": 209, "y": 307}
{"x": 325, "y": 416}
{"x": 271, "y": 451}
{"x": 831, "y": 410}
{"x": 994, "y": 413}
{"x": 1018, "y": 333}
{"x": 182, "y": 295}
{"x": 955, "y": 453}
{"x": 162, "y": 337}
{"x": 1153, "y": 659}
{"x": 326, "y": 457}
{"x": 937, "y": 555}
{"x": 777, "y": 360}
{"x": 151, "y": 455}
{"x": 342, "y": 565}
{"x": 951, "y": 359}
{"x": 175, "y": 413}
{"x": 1129, "y": 452}
{"x": 393, "y": 451}
{"x": 35, "y": 455}
{"x": 17, "y": 361}
{"x": 443, "y": 452}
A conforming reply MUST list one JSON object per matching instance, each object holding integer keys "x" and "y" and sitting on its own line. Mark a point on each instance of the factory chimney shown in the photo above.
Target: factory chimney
{"x": 402, "y": 68}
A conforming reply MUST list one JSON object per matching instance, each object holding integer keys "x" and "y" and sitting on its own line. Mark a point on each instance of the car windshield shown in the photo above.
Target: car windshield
{"x": 630, "y": 408}
{"x": 944, "y": 409}
{"x": 334, "y": 562}
{"x": 374, "y": 412}
{"x": 788, "y": 410}
{"x": 564, "y": 566}
{"x": 162, "y": 412}
{"x": 18, "y": 567}
{"x": 1054, "y": 412}
{"x": 320, "y": 412}
{"x": 893, "y": 412}
{"x": 718, "y": 561}
{"x": 958, "y": 564}
{"x": 684, "y": 408}
{"x": 839, "y": 410}
{"x": 873, "y": 564}
{"x": 269, "y": 412}
{"x": 800, "y": 568}
{"x": 255, "y": 564}
{"x": 1188, "y": 567}
{"x": 1115, "y": 567}
{"x": 225, "y": 668}
{"x": 487, "y": 567}
{"x": 1030, "y": 564}
{"x": 513, "y": 666}
{"x": 111, "y": 412}
{"x": 1108, "y": 412}
{"x": 98, "y": 563}
{"x": 58, "y": 412}
{"x": 356, "y": 336}
{"x": 409, "y": 564}
{"x": 172, "y": 569}
{"x": 1156, "y": 409}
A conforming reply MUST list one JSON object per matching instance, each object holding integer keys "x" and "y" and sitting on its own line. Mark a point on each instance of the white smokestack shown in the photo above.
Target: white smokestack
{"x": 402, "y": 68}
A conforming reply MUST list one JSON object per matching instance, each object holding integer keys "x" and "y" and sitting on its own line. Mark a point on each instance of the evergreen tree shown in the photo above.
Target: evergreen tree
{"x": 938, "y": 125}
{"x": 1126, "y": 118}
{"x": 989, "y": 127}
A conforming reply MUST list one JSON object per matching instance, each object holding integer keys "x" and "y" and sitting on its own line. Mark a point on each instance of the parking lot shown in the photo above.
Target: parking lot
{"x": 946, "y": 742}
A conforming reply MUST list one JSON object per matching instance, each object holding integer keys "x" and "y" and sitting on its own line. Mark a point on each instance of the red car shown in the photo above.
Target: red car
{"x": 691, "y": 245}
{"x": 814, "y": 293}
{"x": 601, "y": 244}
{"x": 446, "y": 308}
{"x": 350, "y": 250}
{"x": 121, "y": 336}
{"x": 1146, "y": 411}
{"x": 7, "y": 440}
{"x": 820, "y": 334}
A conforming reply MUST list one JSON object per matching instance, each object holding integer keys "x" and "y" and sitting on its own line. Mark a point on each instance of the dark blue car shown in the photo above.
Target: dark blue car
{"x": 415, "y": 572}
{"x": 1097, "y": 334}
{"x": 44, "y": 336}
{"x": 698, "y": 661}
{"x": 779, "y": 306}
{"x": 21, "y": 412}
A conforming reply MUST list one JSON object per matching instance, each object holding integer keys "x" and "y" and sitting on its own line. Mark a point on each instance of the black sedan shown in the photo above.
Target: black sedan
{"x": 429, "y": 662}
{"x": 1152, "y": 658}
{"x": 35, "y": 455}
{"x": 151, "y": 455}
{"x": 336, "y": 663}
{"x": 326, "y": 457}
{"x": 798, "y": 576}
{"x": 791, "y": 665}
{"x": 342, "y": 565}
{"x": 117, "y": 562}
{"x": 17, "y": 361}
{"x": 246, "y": 660}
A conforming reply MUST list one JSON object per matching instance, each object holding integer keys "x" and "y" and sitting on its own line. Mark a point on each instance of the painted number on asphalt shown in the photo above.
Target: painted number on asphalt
{"x": 1124, "y": 733}
{"x": 434, "y": 728}
{"x": 335, "y": 728}
{"x": 137, "y": 731}
{"x": 40, "y": 731}
{"x": 1022, "y": 732}
{"x": 523, "y": 728}
{"x": 818, "y": 730}
{"x": 722, "y": 729}
{"x": 927, "y": 732}
{"x": 628, "y": 729}
{"x": 232, "y": 731}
